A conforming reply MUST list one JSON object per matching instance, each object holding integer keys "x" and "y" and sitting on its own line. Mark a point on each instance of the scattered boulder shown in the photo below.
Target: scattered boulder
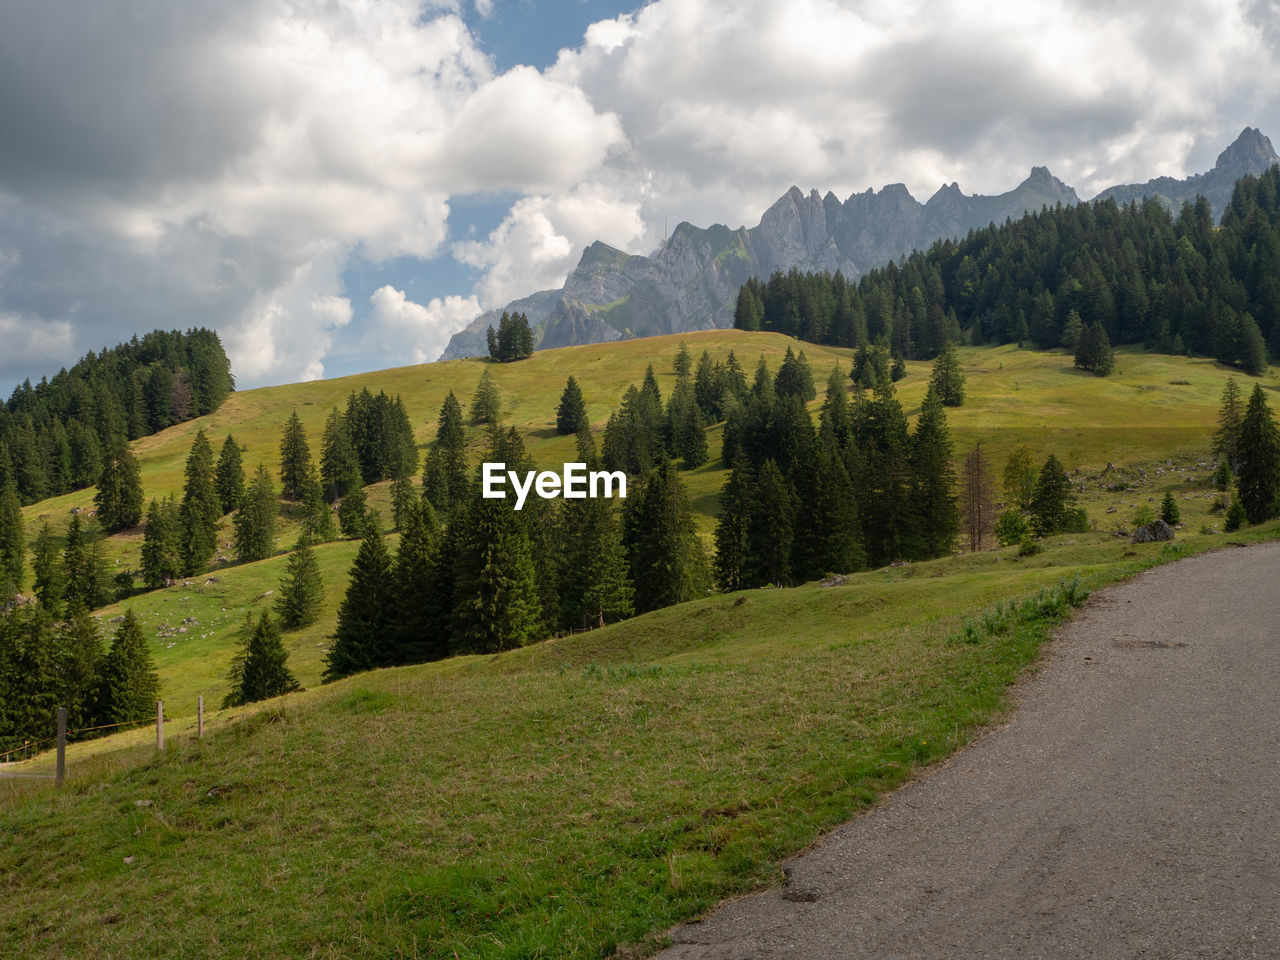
{"x": 838, "y": 580}
{"x": 1151, "y": 533}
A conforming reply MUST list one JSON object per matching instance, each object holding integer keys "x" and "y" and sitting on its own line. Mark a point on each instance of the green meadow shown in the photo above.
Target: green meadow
{"x": 576, "y": 797}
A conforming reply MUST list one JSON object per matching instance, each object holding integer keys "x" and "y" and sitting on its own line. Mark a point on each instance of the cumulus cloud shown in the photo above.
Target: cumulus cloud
{"x": 400, "y": 328}
{"x": 228, "y": 164}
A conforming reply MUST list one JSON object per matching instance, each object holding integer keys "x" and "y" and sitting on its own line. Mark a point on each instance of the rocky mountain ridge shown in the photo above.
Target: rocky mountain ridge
{"x": 692, "y": 281}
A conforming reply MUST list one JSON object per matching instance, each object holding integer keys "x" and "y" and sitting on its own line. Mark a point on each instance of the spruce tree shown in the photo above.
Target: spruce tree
{"x": 948, "y": 378}
{"x": 495, "y": 597}
{"x": 731, "y": 528}
{"x": 353, "y": 514}
{"x": 683, "y": 364}
{"x": 835, "y": 418}
{"x": 418, "y": 637}
{"x": 46, "y": 565}
{"x": 201, "y": 508}
{"x": 1052, "y": 501}
{"x": 301, "y": 589}
{"x": 13, "y": 547}
{"x": 403, "y": 499}
{"x": 794, "y": 378}
{"x": 317, "y": 518}
{"x": 161, "y": 544}
{"x": 935, "y": 477}
{"x": 295, "y": 458}
{"x": 83, "y": 568}
{"x": 667, "y": 561}
{"x": 130, "y": 685}
{"x": 444, "y": 475}
{"x": 255, "y": 521}
{"x": 339, "y": 466}
{"x": 571, "y": 414}
{"x": 80, "y": 667}
{"x": 827, "y": 537}
{"x": 685, "y": 425}
{"x": 486, "y": 404}
{"x": 1169, "y": 511}
{"x": 769, "y": 529}
{"x": 596, "y": 584}
{"x": 261, "y": 669}
{"x": 119, "y": 495}
{"x": 1226, "y": 441}
{"x": 228, "y": 476}
{"x": 1072, "y": 331}
{"x": 360, "y": 640}
{"x": 1258, "y": 479}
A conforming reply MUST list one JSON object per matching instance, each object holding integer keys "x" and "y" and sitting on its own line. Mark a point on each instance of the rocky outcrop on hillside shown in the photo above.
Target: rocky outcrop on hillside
{"x": 692, "y": 282}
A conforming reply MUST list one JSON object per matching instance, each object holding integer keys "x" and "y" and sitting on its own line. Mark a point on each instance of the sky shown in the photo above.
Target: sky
{"x": 340, "y": 185}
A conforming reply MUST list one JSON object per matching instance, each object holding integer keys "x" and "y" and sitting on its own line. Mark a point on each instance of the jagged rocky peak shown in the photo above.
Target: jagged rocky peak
{"x": 1249, "y": 153}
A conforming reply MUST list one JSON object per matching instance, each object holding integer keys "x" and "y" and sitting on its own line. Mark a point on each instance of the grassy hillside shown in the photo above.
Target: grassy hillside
{"x": 554, "y": 801}
{"x": 1154, "y": 410}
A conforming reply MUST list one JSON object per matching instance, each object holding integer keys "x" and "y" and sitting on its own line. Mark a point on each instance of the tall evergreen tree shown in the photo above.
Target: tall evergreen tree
{"x": 683, "y": 364}
{"x": 1052, "y": 501}
{"x": 46, "y": 564}
{"x": 794, "y": 378}
{"x": 13, "y": 547}
{"x": 444, "y": 475}
{"x": 228, "y": 476}
{"x": 365, "y": 616}
{"x": 1226, "y": 441}
{"x": 301, "y": 589}
{"x": 353, "y": 514}
{"x": 339, "y": 466}
{"x": 119, "y": 496}
{"x": 80, "y": 667}
{"x": 418, "y": 636}
{"x": 1094, "y": 352}
{"x": 685, "y": 425}
{"x": 486, "y": 404}
{"x": 201, "y": 508}
{"x": 83, "y": 567}
{"x": 571, "y": 414}
{"x": 732, "y": 545}
{"x": 255, "y": 521}
{"x": 596, "y": 586}
{"x": 769, "y": 529}
{"x": 1258, "y": 480}
{"x": 261, "y": 669}
{"x": 948, "y": 378}
{"x": 667, "y": 560}
{"x": 295, "y": 458}
{"x": 935, "y": 477}
{"x": 130, "y": 685}
{"x": 161, "y": 544}
{"x": 317, "y": 517}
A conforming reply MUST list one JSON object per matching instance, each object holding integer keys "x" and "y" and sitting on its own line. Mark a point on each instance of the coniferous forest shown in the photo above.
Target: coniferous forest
{"x": 1132, "y": 274}
{"x": 56, "y": 435}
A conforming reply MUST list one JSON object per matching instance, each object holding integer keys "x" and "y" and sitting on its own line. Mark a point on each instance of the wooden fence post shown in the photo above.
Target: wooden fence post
{"x": 200, "y": 718}
{"x": 159, "y": 724}
{"x": 62, "y": 746}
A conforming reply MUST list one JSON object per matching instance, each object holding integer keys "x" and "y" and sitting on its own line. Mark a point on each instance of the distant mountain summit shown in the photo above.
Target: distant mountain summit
{"x": 692, "y": 281}
{"x": 1250, "y": 154}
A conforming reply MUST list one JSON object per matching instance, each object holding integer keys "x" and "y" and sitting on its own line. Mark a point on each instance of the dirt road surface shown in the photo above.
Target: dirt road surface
{"x": 1131, "y": 808}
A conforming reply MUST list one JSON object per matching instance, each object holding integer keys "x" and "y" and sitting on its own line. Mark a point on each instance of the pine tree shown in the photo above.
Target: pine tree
{"x": 119, "y": 496}
{"x": 594, "y": 574}
{"x": 935, "y": 477}
{"x": 418, "y": 636}
{"x": 130, "y": 685}
{"x": 667, "y": 561}
{"x": 948, "y": 378}
{"x": 1169, "y": 511}
{"x": 1094, "y": 351}
{"x": 835, "y": 419}
{"x": 317, "y": 517}
{"x": 683, "y": 364}
{"x": 201, "y": 509}
{"x": 83, "y": 568}
{"x": 685, "y": 425}
{"x": 731, "y": 528}
{"x": 261, "y": 669}
{"x": 572, "y": 412}
{"x": 255, "y": 521}
{"x": 339, "y": 466}
{"x": 353, "y": 514}
{"x": 228, "y": 476}
{"x": 13, "y": 548}
{"x": 769, "y": 529}
{"x": 50, "y": 581}
{"x": 295, "y": 458}
{"x": 794, "y": 378}
{"x": 1072, "y": 331}
{"x": 161, "y": 544}
{"x": 1258, "y": 480}
{"x": 365, "y": 616}
{"x": 1052, "y": 501}
{"x": 486, "y": 404}
{"x": 403, "y": 499}
{"x": 1226, "y": 441}
{"x": 80, "y": 667}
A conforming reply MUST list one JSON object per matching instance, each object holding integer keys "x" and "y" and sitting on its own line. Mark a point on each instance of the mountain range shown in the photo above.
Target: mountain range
{"x": 692, "y": 281}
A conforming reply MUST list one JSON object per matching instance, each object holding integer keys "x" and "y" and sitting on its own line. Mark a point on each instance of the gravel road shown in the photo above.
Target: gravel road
{"x": 1131, "y": 808}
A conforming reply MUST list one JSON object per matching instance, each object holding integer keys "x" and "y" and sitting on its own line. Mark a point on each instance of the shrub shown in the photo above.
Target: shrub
{"x": 1011, "y": 528}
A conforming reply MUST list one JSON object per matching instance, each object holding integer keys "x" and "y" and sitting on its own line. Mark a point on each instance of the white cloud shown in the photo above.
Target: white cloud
{"x": 401, "y": 329}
